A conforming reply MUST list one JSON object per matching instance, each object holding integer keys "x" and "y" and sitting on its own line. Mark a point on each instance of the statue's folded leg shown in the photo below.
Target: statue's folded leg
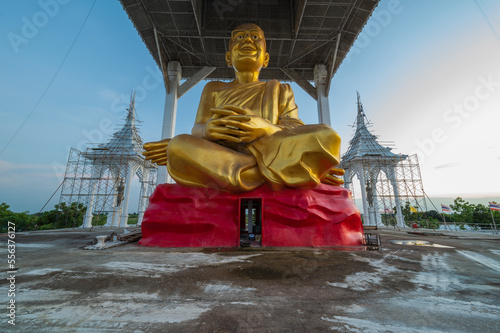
{"x": 197, "y": 162}
{"x": 297, "y": 157}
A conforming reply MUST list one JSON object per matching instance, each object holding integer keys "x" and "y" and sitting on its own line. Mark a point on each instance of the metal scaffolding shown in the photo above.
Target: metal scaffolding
{"x": 391, "y": 184}
{"x": 100, "y": 178}
{"x": 404, "y": 188}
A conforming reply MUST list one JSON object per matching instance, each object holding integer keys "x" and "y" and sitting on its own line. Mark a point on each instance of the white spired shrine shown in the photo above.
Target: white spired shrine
{"x": 387, "y": 180}
{"x": 101, "y": 177}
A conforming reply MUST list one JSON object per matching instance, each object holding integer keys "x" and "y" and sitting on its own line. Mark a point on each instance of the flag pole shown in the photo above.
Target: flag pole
{"x": 454, "y": 223}
{"x": 443, "y": 215}
{"x": 444, "y": 219}
{"x": 494, "y": 225}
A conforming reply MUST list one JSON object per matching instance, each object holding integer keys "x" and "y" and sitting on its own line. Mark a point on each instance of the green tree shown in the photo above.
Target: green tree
{"x": 476, "y": 216}
{"x": 464, "y": 210}
{"x": 481, "y": 217}
{"x": 406, "y": 211}
{"x": 21, "y": 220}
{"x": 496, "y": 216}
{"x": 389, "y": 219}
{"x": 4, "y": 209}
{"x": 412, "y": 217}
{"x": 69, "y": 216}
{"x": 62, "y": 216}
{"x": 434, "y": 214}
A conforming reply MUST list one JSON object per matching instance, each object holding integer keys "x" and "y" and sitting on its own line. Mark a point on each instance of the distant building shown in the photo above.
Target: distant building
{"x": 387, "y": 180}
{"x": 101, "y": 177}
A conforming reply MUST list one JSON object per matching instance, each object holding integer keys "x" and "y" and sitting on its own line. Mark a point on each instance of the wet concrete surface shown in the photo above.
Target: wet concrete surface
{"x": 400, "y": 288}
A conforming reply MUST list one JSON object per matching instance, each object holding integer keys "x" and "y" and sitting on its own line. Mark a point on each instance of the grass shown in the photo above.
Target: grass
{"x": 132, "y": 220}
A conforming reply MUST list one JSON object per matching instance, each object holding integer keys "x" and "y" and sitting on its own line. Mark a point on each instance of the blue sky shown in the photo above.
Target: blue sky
{"x": 428, "y": 72}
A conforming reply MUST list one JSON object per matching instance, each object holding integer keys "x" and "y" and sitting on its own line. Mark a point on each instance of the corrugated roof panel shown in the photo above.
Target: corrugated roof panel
{"x": 180, "y": 30}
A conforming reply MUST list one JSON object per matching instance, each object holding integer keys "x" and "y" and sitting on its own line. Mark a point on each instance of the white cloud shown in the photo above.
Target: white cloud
{"x": 108, "y": 94}
{"x": 8, "y": 166}
{"x": 20, "y": 176}
{"x": 446, "y": 165}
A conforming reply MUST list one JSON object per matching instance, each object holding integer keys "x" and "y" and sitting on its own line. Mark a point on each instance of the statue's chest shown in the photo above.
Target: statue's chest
{"x": 250, "y": 96}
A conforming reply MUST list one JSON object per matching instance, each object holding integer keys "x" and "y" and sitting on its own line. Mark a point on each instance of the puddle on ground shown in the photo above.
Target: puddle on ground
{"x": 419, "y": 243}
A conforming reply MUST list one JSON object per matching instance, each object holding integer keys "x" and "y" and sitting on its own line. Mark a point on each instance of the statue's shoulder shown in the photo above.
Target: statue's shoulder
{"x": 215, "y": 86}
{"x": 278, "y": 84}
{"x": 284, "y": 88}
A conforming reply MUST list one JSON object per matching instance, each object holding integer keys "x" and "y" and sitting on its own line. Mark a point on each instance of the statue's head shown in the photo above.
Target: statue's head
{"x": 247, "y": 48}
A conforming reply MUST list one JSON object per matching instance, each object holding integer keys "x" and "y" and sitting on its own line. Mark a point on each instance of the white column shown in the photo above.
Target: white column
{"x": 116, "y": 216}
{"x": 376, "y": 208}
{"x": 371, "y": 211}
{"x": 320, "y": 80}
{"x": 347, "y": 179}
{"x": 143, "y": 198}
{"x": 87, "y": 220}
{"x": 361, "y": 175}
{"x": 109, "y": 220}
{"x": 399, "y": 214}
{"x": 126, "y": 197}
{"x": 174, "y": 72}
{"x": 142, "y": 204}
{"x": 378, "y": 218}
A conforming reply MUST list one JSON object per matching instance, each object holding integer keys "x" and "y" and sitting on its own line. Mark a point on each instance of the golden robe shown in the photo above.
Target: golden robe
{"x": 297, "y": 156}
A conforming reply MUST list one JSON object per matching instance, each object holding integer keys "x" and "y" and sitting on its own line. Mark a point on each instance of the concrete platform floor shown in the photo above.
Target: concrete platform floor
{"x": 400, "y": 288}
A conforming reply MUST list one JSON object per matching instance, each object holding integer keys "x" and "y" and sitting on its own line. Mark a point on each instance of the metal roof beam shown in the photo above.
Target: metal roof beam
{"x": 191, "y": 52}
{"x": 349, "y": 14}
{"x": 303, "y": 83}
{"x": 197, "y": 17}
{"x": 197, "y": 14}
{"x": 298, "y": 20}
{"x": 309, "y": 51}
{"x": 301, "y": 7}
{"x": 193, "y": 80}
{"x": 170, "y": 13}
{"x": 330, "y": 3}
{"x": 332, "y": 65}
{"x": 267, "y": 38}
{"x": 160, "y": 60}
{"x": 298, "y": 39}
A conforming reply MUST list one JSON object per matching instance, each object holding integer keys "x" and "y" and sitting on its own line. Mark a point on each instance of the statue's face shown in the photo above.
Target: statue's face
{"x": 247, "y": 49}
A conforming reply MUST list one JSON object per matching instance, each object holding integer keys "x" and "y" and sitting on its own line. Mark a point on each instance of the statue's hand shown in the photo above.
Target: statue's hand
{"x": 331, "y": 177}
{"x": 156, "y": 151}
{"x": 232, "y": 110}
{"x": 240, "y": 124}
{"x": 214, "y": 132}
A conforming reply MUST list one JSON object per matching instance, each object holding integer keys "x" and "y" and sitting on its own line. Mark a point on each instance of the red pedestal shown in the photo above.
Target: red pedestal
{"x": 201, "y": 217}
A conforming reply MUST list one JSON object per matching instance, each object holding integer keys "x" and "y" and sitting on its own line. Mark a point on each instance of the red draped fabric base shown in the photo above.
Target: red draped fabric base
{"x": 180, "y": 216}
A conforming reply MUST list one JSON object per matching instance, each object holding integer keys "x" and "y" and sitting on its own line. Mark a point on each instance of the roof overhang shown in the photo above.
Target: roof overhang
{"x": 299, "y": 33}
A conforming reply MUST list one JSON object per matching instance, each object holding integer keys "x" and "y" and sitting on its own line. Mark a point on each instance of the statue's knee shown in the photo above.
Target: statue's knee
{"x": 176, "y": 144}
{"x": 327, "y": 134}
{"x": 180, "y": 138}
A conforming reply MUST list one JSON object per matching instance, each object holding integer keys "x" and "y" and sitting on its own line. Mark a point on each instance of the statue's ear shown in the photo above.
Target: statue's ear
{"x": 266, "y": 59}
{"x": 228, "y": 59}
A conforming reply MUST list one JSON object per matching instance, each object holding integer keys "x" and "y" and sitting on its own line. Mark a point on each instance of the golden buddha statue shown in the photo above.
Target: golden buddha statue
{"x": 247, "y": 132}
